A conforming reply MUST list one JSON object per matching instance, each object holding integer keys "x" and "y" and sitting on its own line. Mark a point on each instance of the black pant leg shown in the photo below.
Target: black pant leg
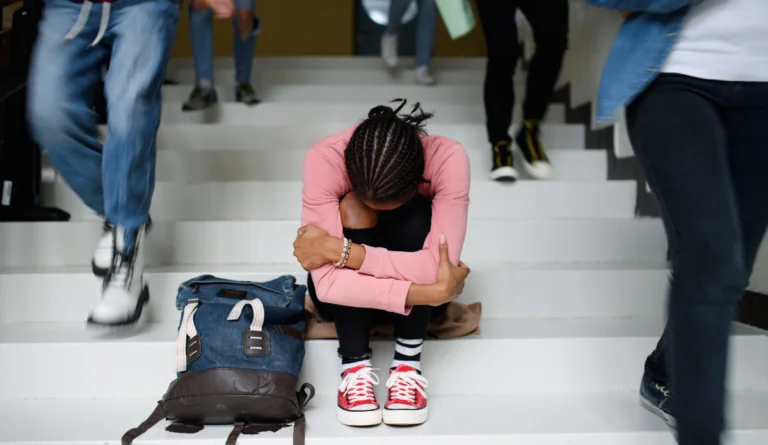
{"x": 500, "y": 30}
{"x": 678, "y": 121}
{"x": 405, "y": 229}
{"x": 549, "y": 21}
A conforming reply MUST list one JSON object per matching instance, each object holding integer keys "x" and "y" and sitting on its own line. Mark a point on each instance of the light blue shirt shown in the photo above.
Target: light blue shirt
{"x": 641, "y": 47}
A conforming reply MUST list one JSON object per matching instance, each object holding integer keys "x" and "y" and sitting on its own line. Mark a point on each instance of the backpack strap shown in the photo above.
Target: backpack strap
{"x": 305, "y": 394}
{"x": 235, "y": 433}
{"x": 299, "y": 431}
{"x": 157, "y": 415}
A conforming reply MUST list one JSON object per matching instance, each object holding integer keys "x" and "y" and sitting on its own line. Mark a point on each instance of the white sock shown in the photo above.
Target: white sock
{"x": 408, "y": 352}
{"x": 347, "y": 366}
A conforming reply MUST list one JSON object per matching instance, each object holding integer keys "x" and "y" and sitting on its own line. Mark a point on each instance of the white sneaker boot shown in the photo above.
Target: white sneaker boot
{"x": 423, "y": 77}
{"x": 389, "y": 50}
{"x": 124, "y": 292}
{"x": 102, "y": 256}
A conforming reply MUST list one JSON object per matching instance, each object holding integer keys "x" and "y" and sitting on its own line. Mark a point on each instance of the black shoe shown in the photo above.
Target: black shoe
{"x": 200, "y": 99}
{"x": 503, "y": 168}
{"x": 535, "y": 160}
{"x": 245, "y": 93}
{"x": 657, "y": 397}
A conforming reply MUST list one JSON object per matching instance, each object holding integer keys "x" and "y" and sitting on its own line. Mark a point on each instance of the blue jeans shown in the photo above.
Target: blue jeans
{"x": 115, "y": 179}
{"x": 425, "y": 28}
{"x": 201, "y": 35}
{"x": 702, "y": 145}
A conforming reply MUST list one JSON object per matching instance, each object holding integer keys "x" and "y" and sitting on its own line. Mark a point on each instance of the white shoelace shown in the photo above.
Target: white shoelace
{"x": 358, "y": 386}
{"x": 404, "y": 385}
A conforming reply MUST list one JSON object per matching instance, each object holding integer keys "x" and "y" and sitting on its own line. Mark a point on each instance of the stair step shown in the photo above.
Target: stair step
{"x": 601, "y": 419}
{"x": 511, "y": 290}
{"x": 237, "y": 201}
{"x": 268, "y": 135}
{"x": 239, "y": 164}
{"x": 269, "y": 242}
{"x": 513, "y": 357}
{"x": 333, "y": 63}
{"x": 296, "y": 114}
{"x": 370, "y": 95}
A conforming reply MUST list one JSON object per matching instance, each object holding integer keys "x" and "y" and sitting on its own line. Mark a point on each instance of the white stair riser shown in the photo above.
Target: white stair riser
{"x": 282, "y": 200}
{"x": 261, "y": 242}
{"x": 259, "y": 135}
{"x": 232, "y": 113}
{"x": 487, "y": 366}
{"x": 505, "y": 292}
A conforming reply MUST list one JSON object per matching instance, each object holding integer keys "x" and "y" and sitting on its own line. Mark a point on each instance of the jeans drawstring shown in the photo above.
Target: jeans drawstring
{"x": 82, "y": 19}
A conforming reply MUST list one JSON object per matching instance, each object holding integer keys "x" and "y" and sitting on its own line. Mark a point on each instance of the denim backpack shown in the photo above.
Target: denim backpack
{"x": 240, "y": 348}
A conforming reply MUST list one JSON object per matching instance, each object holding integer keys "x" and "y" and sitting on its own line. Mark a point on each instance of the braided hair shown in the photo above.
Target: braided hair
{"x": 385, "y": 156}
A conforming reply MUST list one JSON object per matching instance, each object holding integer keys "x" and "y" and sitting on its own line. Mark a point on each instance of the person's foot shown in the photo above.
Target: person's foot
{"x": 503, "y": 167}
{"x": 357, "y": 404}
{"x": 657, "y": 397}
{"x": 535, "y": 160}
{"x": 102, "y": 256}
{"x": 407, "y": 400}
{"x": 423, "y": 77}
{"x": 245, "y": 94}
{"x": 124, "y": 292}
{"x": 201, "y": 98}
{"x": 389, "y": 50}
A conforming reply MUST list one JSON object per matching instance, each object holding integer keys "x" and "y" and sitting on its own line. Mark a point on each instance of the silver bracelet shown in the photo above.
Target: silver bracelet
{"x": 344, "y": 254}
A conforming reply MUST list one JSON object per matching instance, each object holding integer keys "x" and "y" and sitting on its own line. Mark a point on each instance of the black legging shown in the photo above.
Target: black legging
{"x": 404, "y": 229}
{"x": 549, "y": 21}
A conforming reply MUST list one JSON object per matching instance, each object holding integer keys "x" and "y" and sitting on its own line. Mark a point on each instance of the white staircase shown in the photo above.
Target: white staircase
{"x": 572, "y": 285}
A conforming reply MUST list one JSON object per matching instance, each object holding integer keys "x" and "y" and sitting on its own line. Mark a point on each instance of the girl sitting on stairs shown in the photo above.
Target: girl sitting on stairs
{"x": 384, "y": 219}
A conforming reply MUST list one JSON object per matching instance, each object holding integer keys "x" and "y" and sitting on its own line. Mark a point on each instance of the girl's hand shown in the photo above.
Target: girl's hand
{"x": 450, "y": 279}
{"x": 310, "y": 247}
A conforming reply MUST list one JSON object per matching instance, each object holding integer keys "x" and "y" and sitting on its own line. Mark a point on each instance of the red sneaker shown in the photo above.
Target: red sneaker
{"x": 407, "y": 401}
{"x": 357, "y": 401}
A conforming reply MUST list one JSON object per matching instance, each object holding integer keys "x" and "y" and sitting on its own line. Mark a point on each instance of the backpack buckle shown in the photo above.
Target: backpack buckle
{"x": 256, "y": 343}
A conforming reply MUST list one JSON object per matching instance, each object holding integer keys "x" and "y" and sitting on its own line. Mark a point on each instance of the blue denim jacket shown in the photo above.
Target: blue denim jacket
{"x": 641, "y": 47}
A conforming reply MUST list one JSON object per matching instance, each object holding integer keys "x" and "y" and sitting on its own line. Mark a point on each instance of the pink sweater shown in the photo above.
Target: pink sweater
{"x": 384, "y": 278}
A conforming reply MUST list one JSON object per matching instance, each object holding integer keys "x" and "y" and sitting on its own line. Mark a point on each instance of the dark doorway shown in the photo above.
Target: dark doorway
{"x": 370, "y": 22}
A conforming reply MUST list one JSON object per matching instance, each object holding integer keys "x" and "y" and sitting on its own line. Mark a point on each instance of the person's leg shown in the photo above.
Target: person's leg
{"x": 245, "y": 42}
{"x": 405, "y": 229}
{"x": 426, "y": 29}
{"x": 63, "y": 85}
{"x": 677, "y": 121}
{"x": 549, "y": 21}
{"x": 63, "y": 80}
{"x": 201, "y": 36}
{"x": 397, "y": 9}
{"x": 357, "y": 404}
{"x": 141, "y": 35}
{"x": 500, "y": 30}
{"x": 746, "y": 136}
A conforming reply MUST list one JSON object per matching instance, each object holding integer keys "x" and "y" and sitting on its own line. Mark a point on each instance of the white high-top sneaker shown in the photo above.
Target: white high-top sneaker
{"x": 423, "y": 77}
{"x": 102, "y": 256}
{"x": 389, "y": 50}
{"x": 124, "y": 292}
